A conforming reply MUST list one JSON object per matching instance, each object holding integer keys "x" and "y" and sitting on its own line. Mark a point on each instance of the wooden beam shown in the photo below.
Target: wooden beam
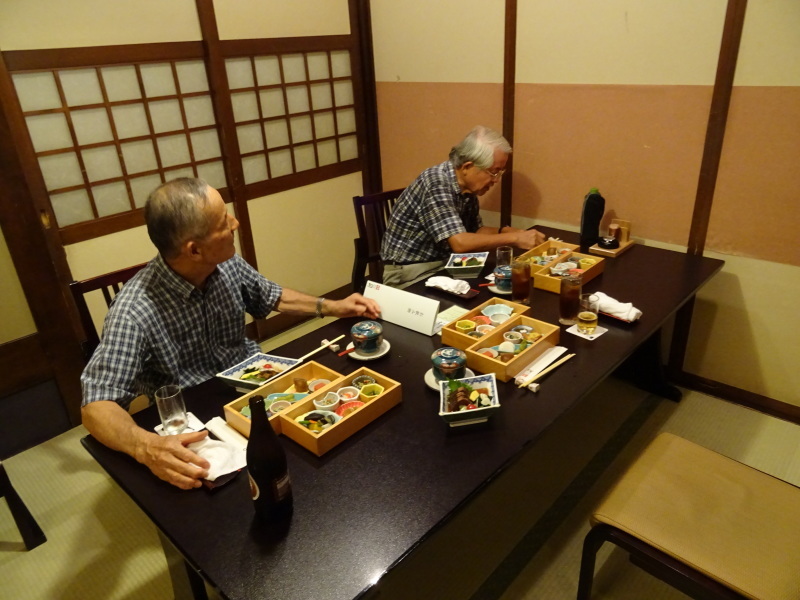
{"x": 364, "y": 90}
{"x": 509, "y": 90}
{"x": 717, "y": 119}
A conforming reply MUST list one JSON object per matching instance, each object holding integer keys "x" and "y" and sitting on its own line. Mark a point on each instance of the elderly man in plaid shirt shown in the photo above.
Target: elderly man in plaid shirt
{"x": 438, "y": 214}
{"x": 180, "y": 320}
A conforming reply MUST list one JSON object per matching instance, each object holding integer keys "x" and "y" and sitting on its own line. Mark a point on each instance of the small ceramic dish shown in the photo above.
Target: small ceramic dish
{"x": 363, "y": 380}
{"x": 348, "y": 393}
{"x": 485, "y": 403}
{"x": 466, "y": 265}
{"x": 348, "y": 407}
{"x": 291, "y": 398}
{"x": 371, "y": 390}
{"x": 484, "y": 329}
{"x": 515, "y": 337}
{"x": 465, "y": 326}
{"x": 278, "y": 406}
{"x": 562, "y": 268}
{"x": 475, "y": 334}
{"x": 500, "y": 318}
{"x": 318, "y": 420}
{"x": 494, "y": 309}
{"x": 329, "y": 401}
{"x": 490, "y": 352}
{"x": 314, "y": 385}
{"x": 257, "y": 370}
{"x": 480, "y": 320}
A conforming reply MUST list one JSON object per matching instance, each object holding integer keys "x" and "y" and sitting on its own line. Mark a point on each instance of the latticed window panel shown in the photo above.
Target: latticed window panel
{"x": 105, "y": 136}
{"x": 293, "y": 112}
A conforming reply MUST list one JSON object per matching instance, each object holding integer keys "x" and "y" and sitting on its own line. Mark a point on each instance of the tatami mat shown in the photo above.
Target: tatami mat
{"x": 101, "y": 546}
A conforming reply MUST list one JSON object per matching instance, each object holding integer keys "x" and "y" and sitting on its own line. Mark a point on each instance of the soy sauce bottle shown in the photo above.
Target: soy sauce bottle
{"x": 270, "y": 484}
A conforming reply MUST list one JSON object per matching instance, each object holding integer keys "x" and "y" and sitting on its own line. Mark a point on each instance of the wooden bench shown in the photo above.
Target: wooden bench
{"x": 706, "y": 524}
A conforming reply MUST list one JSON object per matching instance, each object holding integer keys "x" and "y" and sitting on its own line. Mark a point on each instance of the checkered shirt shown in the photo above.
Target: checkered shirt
{"x": 160, "y": 329}
{"x": 429, "y": 211}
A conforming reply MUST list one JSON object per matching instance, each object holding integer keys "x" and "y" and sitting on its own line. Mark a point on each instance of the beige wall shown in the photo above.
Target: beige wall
{"x": 246, "y": 19}
{"x": 16, "y": 320}
{"x": 616, "y": 94}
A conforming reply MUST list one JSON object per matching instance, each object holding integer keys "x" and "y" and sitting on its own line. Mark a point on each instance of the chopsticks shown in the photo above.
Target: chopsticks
{"x": 558, "y": 363}
{"x": 322, "y": 347}
{"x": 343, "y": 352}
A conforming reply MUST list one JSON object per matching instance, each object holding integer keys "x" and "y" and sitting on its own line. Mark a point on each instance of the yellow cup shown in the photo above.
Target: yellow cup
{"x": 585, "y": 263}
{"x": 465, "y": 326}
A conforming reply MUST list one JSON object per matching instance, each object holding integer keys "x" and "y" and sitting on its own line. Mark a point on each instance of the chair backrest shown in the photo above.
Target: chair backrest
{"x": 372, "y": 216}
{"x": 110, "y": 284}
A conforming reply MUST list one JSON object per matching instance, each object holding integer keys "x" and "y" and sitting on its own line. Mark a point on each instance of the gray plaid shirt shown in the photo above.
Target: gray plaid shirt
{"x": 429, "y": 211}
{"x": 161, "y": 330}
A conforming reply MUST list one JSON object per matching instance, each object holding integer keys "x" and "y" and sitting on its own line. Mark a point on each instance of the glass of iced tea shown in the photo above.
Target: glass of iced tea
{"x": 521, "y": 281}
{"x": 569, "y": 299}
{"x": 587, "y": 313}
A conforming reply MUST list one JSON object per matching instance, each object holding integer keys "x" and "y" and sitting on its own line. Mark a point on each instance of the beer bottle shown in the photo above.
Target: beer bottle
{"x": 270, "y": 484}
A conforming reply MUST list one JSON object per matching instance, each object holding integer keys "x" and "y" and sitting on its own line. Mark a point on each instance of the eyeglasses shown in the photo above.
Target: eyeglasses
{"x": 496, "y": 175}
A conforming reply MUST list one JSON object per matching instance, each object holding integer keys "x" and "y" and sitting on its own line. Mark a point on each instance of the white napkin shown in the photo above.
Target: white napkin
{"x": 622, "y": 310}
{"x": 223, "y": 457}
{"x": 457, "y": 286}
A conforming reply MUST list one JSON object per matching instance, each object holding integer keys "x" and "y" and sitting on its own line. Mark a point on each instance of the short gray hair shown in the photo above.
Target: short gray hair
{"x": 175, "y": 212}
{"x": 478, "y": 147}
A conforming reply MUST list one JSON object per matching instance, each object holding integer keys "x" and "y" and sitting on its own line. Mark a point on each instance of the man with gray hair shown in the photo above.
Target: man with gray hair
{"x": 180, "y": 320}
{"x": 438, "y": 214}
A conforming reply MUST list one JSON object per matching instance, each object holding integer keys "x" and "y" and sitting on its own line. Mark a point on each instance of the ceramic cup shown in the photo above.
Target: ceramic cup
{"x": 449, "y": 363}
{"x": 367, "y": 336}
{"x": 502, "y": 278}
{"x": 329, "y": 401}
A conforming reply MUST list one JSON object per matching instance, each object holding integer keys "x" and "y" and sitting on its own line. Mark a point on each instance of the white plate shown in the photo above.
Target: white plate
{"x": 431, "y": 382}
{"x": 497, "y": 290}
{"x": 383, "y": 350}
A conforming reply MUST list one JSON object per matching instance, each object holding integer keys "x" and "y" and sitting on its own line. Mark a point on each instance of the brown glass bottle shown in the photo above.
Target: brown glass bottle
{"x": 270, "y": 484}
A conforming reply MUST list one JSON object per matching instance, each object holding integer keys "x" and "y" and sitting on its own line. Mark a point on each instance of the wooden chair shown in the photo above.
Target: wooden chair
{"x": 372, "y": 216}
{"x": 32, "y": 534}
{"x": 707, "y": 525}
{"x": 110, "y": 284}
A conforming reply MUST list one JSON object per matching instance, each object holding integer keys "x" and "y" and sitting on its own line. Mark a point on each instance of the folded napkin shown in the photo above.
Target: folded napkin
{"x": 456, "y": 286}
{"x": 622, "y": 310}
{"x": 223, "y": 457}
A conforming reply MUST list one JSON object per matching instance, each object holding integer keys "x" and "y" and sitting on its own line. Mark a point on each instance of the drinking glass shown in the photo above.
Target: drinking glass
{"x": 504, "y": 255}
{"x": 569, "y": 299}
{"x": 171, "y": 409}
{"x": 587, "y": 313}
{"x": 521, "y": 281}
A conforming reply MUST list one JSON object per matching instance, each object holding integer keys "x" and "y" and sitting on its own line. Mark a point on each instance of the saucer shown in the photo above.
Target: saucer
{"x": 497, "y": 290}
{"x": 431, "y": 382}
{"x": 383, "y": 350}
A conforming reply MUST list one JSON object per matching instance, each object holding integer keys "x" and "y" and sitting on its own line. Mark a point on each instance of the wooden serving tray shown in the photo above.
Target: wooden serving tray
{"x": 508, "y": 370}
{"x": 453, "y": 337}
{"x": 320, "y": 443}
{"x": 282, "y": 384}
{"x": 543, "y": 280}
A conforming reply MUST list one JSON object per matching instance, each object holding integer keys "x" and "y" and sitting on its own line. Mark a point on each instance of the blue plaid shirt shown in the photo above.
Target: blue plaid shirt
{"x": 160, "y": 329}
{"x": 429, "y": 211}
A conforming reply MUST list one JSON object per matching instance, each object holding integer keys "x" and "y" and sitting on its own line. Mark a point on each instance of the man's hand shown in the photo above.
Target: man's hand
{"x": 355, "y": 305}
{"x": 169, "y": 458}
{"x": 529, "y": 238}
{"x": 166, "y": 456}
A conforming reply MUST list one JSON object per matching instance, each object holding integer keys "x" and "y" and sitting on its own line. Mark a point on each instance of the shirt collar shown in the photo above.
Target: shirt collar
{"x": 171, "y": 280}
{"x": 451, "y": 173}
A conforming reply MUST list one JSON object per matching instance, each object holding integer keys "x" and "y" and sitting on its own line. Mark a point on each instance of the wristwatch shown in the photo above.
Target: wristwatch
{"x": 319, "y": 306}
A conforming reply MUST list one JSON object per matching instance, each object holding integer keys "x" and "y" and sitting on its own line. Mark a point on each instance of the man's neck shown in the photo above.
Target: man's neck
{"x": 195, "y": 274}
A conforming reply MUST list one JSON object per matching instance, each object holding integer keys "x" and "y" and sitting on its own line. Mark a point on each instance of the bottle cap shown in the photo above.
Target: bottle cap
{"x": 594, "y": 191}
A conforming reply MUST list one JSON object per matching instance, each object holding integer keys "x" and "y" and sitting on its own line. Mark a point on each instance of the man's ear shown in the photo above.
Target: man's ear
{"x": 191, "y": 250}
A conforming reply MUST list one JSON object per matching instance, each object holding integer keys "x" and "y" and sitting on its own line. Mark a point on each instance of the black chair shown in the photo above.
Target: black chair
{"x": 32, "y": 534}
{"x": 110, "y": 284}
{"x": 372, "y": 216}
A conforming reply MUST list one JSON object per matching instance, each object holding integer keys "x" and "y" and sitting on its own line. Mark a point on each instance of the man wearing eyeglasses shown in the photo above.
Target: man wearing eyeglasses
{"x": 438, "y": 214}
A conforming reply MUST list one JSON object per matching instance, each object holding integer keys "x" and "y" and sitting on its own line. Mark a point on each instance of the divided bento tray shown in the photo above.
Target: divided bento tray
{"x": 508, "y": 370}
{"x": 280, "y": 385}
{"x": 543, "y": 280}
{"x": 284, "y": 422}
{"x": 453, "y": 337}
{"x": 322, "y": 442}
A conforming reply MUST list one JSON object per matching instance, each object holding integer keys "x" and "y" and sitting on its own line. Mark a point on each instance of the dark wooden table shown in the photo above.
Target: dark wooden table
{"x": 365, "y": 505}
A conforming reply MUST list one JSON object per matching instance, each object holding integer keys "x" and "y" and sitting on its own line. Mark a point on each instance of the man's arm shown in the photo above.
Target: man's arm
{"x": 166, "y": 456}
{"x": 487, "y": 238}
{"x": 355, "y": 305}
